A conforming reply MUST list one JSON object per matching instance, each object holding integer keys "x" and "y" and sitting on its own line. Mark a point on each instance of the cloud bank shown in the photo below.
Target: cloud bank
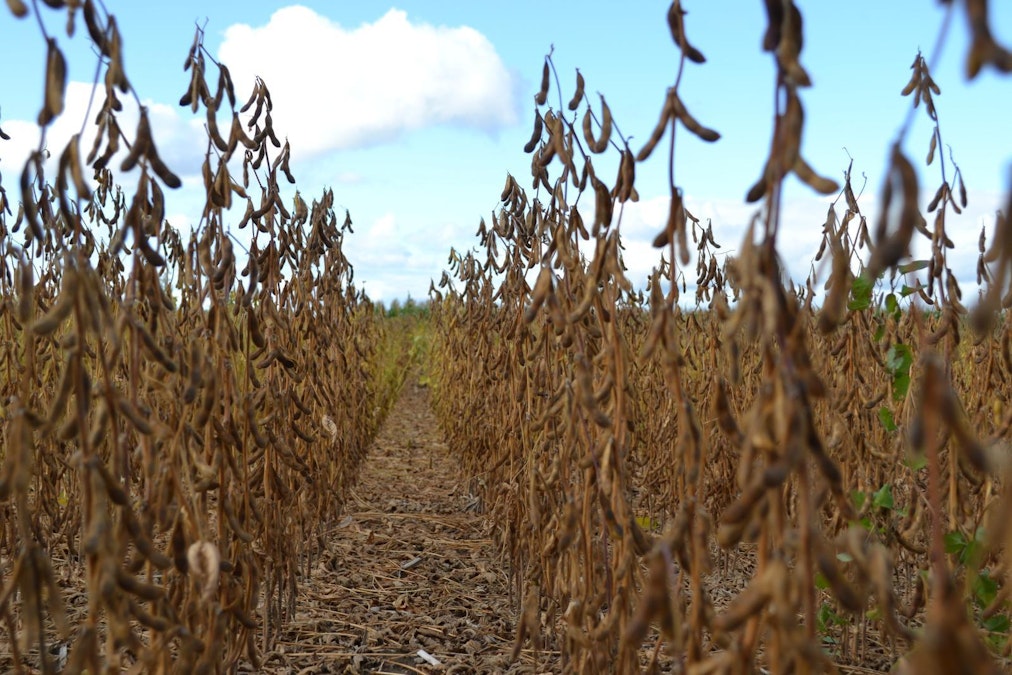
{"x": 335, "y": 88}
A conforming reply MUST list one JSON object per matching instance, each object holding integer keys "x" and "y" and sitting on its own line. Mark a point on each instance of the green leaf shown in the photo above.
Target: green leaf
{"x": 893, "y": 306}
{"x": 907, "y": 291}
{"x": 823, "y": 618}
{"x": 828, "y": 617}
{"x": 916, "y": 461}
{"x": 955, "y": 542}
{"x": 999, "y": 623}
{"x": 883, "y": 499}
{"x": 885, "y": 416}
{"x": 858, "y": 497}
{"x": 860, "y": 294}
{"x": 901, "y": 385}
{"x": 985, "y": 589}
{"x": 821, "y": 582}
{"x": 899, "y": 358}
{"x": 971, "y": 556}
{"x": 879, "y": 333}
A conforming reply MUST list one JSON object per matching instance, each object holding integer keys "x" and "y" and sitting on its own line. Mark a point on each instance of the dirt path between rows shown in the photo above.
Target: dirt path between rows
{"x": 410, "y": 566}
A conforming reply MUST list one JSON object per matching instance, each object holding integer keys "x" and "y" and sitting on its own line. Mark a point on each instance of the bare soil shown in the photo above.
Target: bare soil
{"x": 409, "y": 566}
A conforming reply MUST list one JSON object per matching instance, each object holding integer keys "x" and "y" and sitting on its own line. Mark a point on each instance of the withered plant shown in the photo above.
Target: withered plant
{"x": 181, "y": 419}
{"x": 777, "y": 478}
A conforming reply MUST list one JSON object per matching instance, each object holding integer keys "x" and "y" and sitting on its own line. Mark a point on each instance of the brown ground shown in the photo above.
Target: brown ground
{"x": 410, "y": 566}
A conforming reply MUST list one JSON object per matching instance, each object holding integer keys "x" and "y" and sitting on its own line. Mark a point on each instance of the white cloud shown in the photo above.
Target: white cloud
{"x": 181, "y": 142}
{"x": 349, "y": 178}
{"x": 393, "y": 258}
{"x": 335, "y": 88}
{"x": 25, "y": 134}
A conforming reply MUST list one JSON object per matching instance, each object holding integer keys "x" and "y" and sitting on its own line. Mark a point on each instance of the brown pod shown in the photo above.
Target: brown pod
{"x": 535, "y": 136}
{"x": 574, "y": 103}
{"x": 542, "y": 96}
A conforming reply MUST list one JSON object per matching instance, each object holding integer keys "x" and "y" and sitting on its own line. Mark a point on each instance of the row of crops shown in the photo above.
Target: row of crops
{"x": 182, "y": 414}
{"x": 761, "y": 475}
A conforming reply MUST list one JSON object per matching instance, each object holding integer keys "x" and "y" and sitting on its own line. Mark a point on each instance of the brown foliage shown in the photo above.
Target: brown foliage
{"x": 754, "y": 482}
{"x": 179, "y": 428}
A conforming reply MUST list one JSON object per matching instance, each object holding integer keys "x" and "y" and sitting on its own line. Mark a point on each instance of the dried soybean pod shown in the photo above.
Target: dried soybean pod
{"x": 844, "y": 593}
{"x": 156, "y": 352}
{"x": 136, "y": 418}
{"x": 28, "y": 201}
{"x": 302, "y": 433}
{"x": 751, "y": 600}
{"x": 56, "y": 84}
{"x": 142, "y": 142}
{"x": 163, "y": 171}
{"x": 225, "y": 81}
{"x": 18, "y": 8}
{"x": 677, "y": 26}
{"x": 536, "y": 135}
{"x": 821, "y": 185}
{"x": 722, "y": 410}
{"x": 300, "y": 404}
{"x": 542, "y": 287}
{"x": 542, "y": 96}
{"x": 177, "y": 546}
{"x": 56, "y": 315}
{"x": 234, "y": 524}
{"x": 146, "y": 619}
{"x": 915, "y": 79}
{"x": 73, "y": 152}
{"x": 588, "y": 131}
{"x": 627, "y": 175}
{"x": 213, "y": 131}
{"x": 939, "y": 194}
{"x": 602, "y": 143}
{"x": 135, "y": 586}
{"x": 246, "y": 621}
{"x": 157, "y": 559}
{"x": 207, "y": 404}
{"x": 117, "y": 495}
{"x": 287, "y": 361}
{"x": 59, "y": 404}
{"x": 691, "y": 123}
{"x": 95, "y": 31}
{"x": 578, "y": 95}
{"x": 507, "y": 190}
{"x": 658, "y": 131}
{"x": 26, "y": 291}
{"x": 254, "y": 329}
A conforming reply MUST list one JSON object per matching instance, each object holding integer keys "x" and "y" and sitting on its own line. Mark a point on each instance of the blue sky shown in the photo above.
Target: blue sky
{"x": 415, "y": 112}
